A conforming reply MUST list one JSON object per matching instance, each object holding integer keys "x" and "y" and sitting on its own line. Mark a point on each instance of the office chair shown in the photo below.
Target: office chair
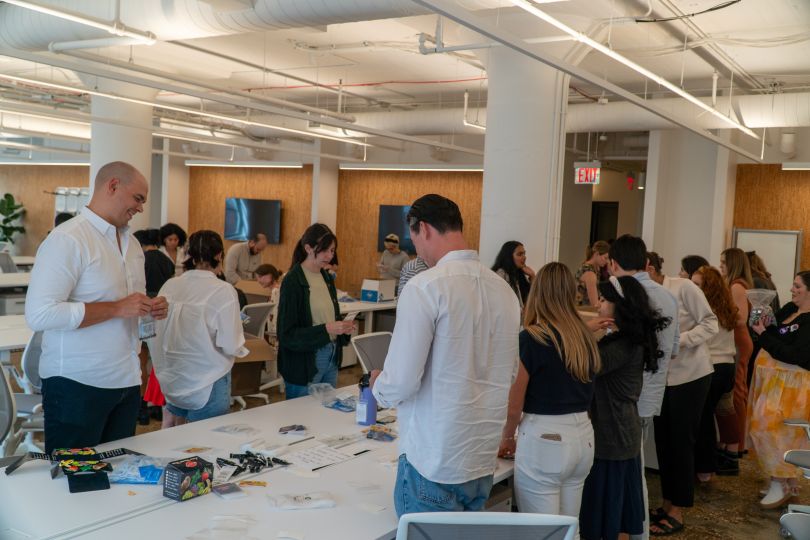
{"x": 371, "y": 349}
{"x": 256, "y": 325}
{"x": 29, "y": 404}
{"x": 795, "y": 523}
{"x": 485, "y": 525}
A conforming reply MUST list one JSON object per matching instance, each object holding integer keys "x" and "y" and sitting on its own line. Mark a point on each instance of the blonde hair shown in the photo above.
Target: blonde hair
{"x": 737, "y": 267}
{"x": 600, "y": 246}
{"x": 551, "y": 306}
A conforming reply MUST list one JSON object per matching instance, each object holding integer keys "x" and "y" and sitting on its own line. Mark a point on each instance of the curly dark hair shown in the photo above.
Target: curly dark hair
{"x": 170, "y": 229}
{"x": 635, "y": 318}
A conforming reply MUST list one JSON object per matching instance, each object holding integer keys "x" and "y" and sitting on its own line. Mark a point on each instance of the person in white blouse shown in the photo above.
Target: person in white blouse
{"x": 451, "y": 363}
{"x": 194, "y": 349}
{"x": 86, "y": 293}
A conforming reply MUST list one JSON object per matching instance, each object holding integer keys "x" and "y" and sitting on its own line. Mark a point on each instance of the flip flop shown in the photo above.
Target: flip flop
{"x": 659, "y": 512}
{"x": 672, "y": 526}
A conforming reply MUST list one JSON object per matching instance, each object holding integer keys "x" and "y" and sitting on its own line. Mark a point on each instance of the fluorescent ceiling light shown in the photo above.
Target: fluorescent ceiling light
{"x": 407, "y": 167}
{"x": 794, "y": 166}
{"x": 115, "y": 27}
{"x": 177, "y": 108}
{"x": 245, "y": 164}
{"x": 530, "y": 6}
{"x": 52, "y": 163}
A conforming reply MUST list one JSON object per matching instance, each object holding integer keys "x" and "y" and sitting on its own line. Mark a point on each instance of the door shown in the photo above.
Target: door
{"x": 604, "y": 220}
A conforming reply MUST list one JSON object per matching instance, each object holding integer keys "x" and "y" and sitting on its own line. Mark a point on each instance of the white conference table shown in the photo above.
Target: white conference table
{"x": 23, "y": 260}
{"x": 368, "y": 309}
{"x": 14, "y": 335}
{"x": 20, "y": 279}
{"x": 34, "y": 506}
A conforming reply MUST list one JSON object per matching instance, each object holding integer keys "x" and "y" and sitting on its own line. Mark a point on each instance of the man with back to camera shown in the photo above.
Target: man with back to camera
{"x": 86, "y": 294}
{"x": 452, "y": 360}
{"x": 628, "y": 257}
{"x": 244, "y": 258}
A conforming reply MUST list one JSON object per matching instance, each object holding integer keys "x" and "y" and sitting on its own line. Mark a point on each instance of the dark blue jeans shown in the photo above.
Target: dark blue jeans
{"x": 414, "y": 493}
{"x": 78, "y": 415}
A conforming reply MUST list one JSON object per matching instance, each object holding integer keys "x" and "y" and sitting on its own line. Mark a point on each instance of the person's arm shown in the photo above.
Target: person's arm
{"x": 231, "y": 262}
{"x": 409, "y": 349}
{"x": 796, "y": 353}
{"x": 230, "y": 336}
{"x": 291, "y": 334}
{"x": 517, "y": 395}
{"x": 695, "y": 303}
{"x": 589, "y": 279}
{"x": 741, "y": 301}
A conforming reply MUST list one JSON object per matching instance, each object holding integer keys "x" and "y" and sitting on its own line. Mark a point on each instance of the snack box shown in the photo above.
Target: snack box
{"x": 187, "y": 478}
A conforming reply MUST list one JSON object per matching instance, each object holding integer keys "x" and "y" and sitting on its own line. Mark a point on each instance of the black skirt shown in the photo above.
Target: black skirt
{"x": 612, "y": 500}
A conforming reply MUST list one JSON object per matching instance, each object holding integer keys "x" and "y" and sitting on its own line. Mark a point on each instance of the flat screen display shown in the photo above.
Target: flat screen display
{"x": 247, "y": 217}
{"x": 392, "y": 220}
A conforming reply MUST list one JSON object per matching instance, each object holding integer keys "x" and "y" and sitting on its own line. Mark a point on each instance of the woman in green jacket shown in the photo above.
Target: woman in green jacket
{"x": 311, "y": 334}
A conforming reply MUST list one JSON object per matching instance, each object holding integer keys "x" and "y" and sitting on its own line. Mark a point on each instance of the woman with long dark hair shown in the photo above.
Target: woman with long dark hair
{"x": 690, "y": 265}
{"x": 173, "y": 245}
{"x": 311, "y": 334}
{"x": 612, "y": 501}
{"x": 510, "y": 264}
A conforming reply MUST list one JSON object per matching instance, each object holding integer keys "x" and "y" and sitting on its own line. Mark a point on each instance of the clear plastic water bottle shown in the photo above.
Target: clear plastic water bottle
{"x": 366, "y": 403}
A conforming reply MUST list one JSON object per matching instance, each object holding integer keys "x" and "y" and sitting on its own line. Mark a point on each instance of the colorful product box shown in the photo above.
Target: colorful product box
{"x": 187, "y": 478}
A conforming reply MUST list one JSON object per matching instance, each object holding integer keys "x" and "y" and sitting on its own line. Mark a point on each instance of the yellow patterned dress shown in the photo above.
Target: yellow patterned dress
{"x": 780, "y": 390}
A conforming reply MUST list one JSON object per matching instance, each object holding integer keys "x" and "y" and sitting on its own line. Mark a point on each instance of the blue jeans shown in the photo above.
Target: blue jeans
{"x": 219, "y": 402}
{"x": 414, "y": 493}
{"x": 327, "y": 372}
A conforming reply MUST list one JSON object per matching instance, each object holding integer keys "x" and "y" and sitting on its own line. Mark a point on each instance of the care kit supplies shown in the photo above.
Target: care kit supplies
{"x": 188, "y": 478}
{"x": 139, "y": 470}
{"x": 304, "y": 501}
{"x": 380, "y": 433}
{"x": 366, "y": 403}
{"x": 325, "y": 394}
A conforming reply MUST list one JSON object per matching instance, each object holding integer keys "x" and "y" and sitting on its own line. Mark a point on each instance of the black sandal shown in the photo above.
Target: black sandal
{"x": 657, "y": 514}
{"x": 668, "y": 525}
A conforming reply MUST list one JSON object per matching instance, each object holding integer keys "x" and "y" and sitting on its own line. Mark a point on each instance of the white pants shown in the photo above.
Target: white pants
{"x": 549, "y": 473}
{"x": 646, "y": 427}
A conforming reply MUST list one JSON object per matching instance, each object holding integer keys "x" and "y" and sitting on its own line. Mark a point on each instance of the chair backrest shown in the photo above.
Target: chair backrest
{"x": 8, "y": 408}
{"x": 7, "y": 265}
{"x": 485, "y": 525}
{"x": 372, "y": 349}
{"x": 30, "y": 362}
{"x": 258, "y": 313}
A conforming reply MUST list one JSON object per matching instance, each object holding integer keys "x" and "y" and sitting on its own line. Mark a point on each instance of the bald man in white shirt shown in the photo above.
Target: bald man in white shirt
{"x": 86, "y": 294}
{"x": 449, "y": 368}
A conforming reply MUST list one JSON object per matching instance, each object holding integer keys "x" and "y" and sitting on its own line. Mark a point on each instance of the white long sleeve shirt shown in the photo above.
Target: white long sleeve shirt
{"x": 197, "y": 342}
{"x": 661, "y": 300}
{"x": 78, "y": 263}
{"x": 449, "y": 368}
{"x": 698, "y": 324}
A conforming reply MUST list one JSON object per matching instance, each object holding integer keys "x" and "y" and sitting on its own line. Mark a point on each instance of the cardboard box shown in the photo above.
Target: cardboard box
{"x": 378, "y": 290}
{"x": 246, "y": 373}
{"x": 187, "y": 478}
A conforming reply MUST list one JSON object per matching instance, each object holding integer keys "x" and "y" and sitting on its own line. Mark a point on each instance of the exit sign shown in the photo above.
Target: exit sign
{"x": 587, "y": 172}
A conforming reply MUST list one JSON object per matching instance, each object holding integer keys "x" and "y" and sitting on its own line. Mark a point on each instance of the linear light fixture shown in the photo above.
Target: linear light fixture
{"x": 530, "y": 7}
{"x": 408, "y": 167}
{"x": 795, "y": 166}
{"x": 245, "y": 164}
{"x": 177, "y": 108}
{"x": 49, "y": 163}
{"x": 115, "y": 27}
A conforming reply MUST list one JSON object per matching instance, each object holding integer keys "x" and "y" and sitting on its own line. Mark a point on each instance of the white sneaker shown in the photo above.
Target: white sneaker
{"x": 778, "y": 494}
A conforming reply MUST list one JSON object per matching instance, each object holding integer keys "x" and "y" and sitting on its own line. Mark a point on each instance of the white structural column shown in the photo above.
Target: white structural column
{"x": 689, "y": 197}
{"x": 122, "y": 131}
{"x": 523, "y": 156}
{"x": 325, "y": 173}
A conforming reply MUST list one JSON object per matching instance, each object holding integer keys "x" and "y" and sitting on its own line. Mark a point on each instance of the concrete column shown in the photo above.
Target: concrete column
{"x": 689, "y": 197}
{"x": 575, "y": 221}
{"x": 523, "y": 156}
{"x": 174, "y": 189}
{"x": 325, "y": 174}
{"x": 112, "y": 141}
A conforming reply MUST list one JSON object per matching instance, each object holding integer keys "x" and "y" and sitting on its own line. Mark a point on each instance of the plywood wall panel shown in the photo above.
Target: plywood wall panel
{"x": 360, "y": 194}
{"x": 769, "y": 198}
{"x": 28, "y": 184}
{"x": 210, "y": 186}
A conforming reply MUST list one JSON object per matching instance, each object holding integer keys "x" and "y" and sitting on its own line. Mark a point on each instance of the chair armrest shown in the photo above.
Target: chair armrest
{"x": 798, "y": 422}
{"x": 800, "y": 458}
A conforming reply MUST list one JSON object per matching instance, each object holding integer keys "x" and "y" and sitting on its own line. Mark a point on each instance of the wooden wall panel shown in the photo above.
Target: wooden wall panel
{"x": 28, "y": 183}
{"x": 769, "y": 198}
{"x": 210, "y": 186}
{"x": 360, "y": 194}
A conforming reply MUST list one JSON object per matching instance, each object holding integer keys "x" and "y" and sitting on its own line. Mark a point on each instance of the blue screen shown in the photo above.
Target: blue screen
{"x": 392, "y": 220}
{"x": 247, "y": 217}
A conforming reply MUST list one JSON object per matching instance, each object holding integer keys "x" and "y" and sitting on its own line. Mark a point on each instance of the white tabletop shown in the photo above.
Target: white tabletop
{"x": 352, "y": 307}
{"x": 14, "y": 333}
{"x": 23, "y": 260}
{"x": 29, "y": 494}
{"x": 20, "y": 279}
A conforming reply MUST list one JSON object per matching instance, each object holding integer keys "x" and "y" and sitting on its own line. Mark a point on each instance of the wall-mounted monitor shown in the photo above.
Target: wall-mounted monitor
{"x": 247, "y": 217}
{"x": 392, "y": 220}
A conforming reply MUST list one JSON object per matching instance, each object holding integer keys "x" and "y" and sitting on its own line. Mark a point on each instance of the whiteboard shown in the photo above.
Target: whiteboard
{"x": 781, "y": 251}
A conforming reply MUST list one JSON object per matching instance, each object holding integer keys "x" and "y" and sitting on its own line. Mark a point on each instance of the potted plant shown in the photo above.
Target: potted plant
{"x": 10, "y": 213}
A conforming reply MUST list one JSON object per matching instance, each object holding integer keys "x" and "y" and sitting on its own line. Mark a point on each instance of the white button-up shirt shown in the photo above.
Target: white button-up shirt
{"x": 78, "y": 263}
{"x": 195, "y": 345}
{"x": 449, "y": 368}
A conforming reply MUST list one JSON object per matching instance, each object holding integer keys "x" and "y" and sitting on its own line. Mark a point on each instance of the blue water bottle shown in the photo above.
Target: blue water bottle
{"x": 366, "y": 403}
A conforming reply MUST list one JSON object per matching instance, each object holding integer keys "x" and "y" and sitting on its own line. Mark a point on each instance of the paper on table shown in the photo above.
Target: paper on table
{"x": 351, "y": 316}
{"x": 318, "y": 456}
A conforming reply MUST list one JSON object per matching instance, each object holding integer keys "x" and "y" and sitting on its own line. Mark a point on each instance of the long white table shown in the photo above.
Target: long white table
{"x": 14, "y": 335}
{"x": 34, "y": 506}
{"x": 20, "y": 279}
{"x": 23, "y": 260}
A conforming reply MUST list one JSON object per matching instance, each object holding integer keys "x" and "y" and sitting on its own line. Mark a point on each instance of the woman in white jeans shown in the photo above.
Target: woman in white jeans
{"x": 550, "y": 397}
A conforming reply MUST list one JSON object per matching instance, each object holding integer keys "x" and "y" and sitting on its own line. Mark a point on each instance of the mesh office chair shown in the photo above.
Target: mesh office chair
{"x": 485, "y": 525}
{"x": 256, "y": 326}
{"x": 9, "y": 435}
{"x": 371, "y": 349}
{"x": 7, "y": 265}
{"x": 29, "y": 404}
{"x": 796, "y": 521}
